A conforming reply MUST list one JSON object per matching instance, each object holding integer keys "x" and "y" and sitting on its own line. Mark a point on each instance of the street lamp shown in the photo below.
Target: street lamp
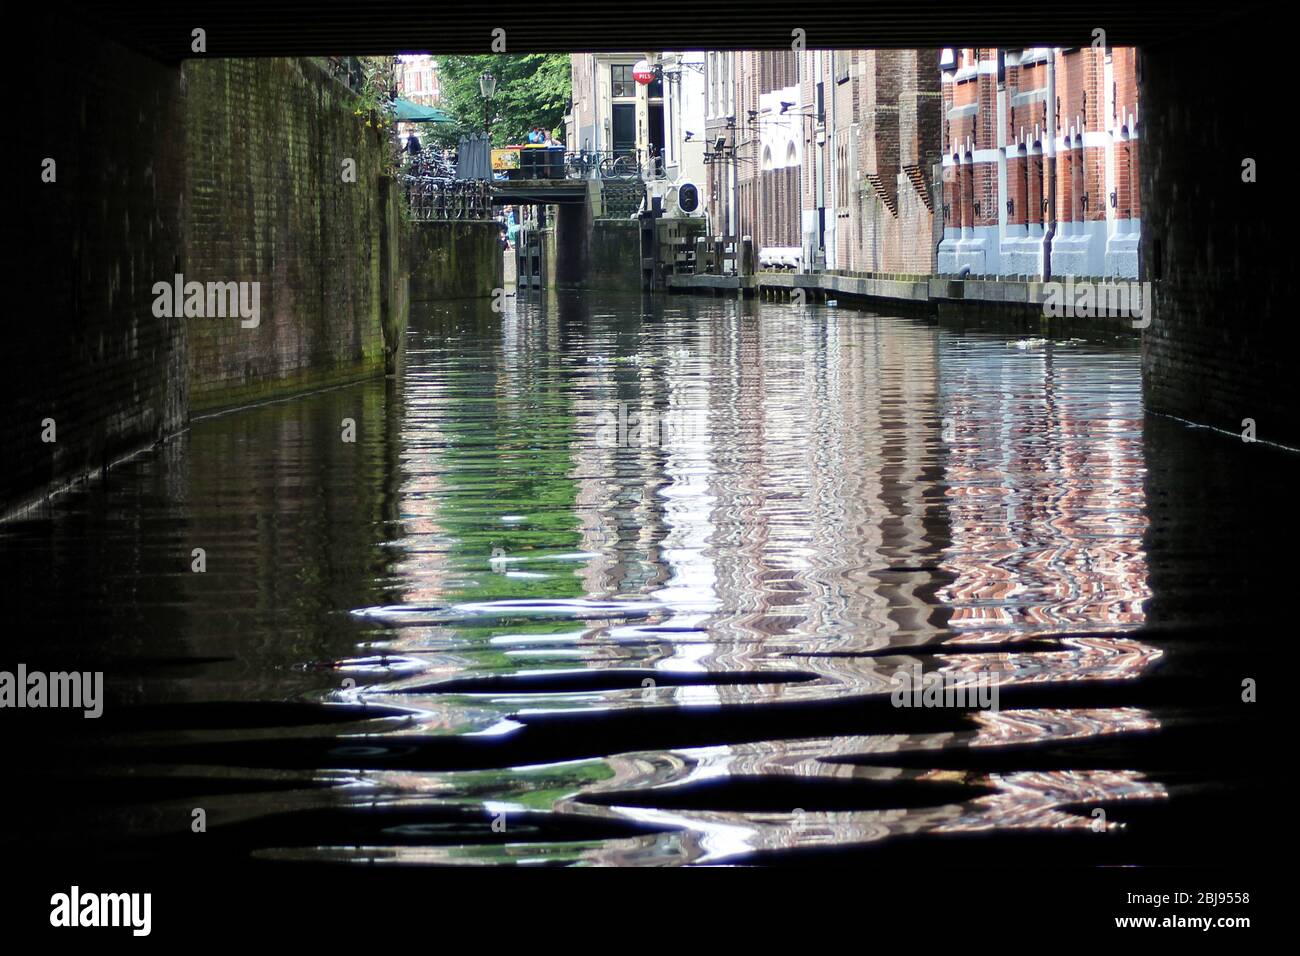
{"x": 487, "y": 85}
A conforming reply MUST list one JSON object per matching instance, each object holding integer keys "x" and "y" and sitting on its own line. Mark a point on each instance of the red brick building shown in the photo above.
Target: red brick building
{"x": 872, "y": 144}
{"x": 983, "y": 161}
{"x": 1040, "y": 162}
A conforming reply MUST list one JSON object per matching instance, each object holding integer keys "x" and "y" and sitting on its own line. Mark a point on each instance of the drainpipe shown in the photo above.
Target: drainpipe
{"x": 1049, "y": 165}
{"x": 595, "y": 106}
{"x": 942, "y": 217}
{"x": 833, "y": 249}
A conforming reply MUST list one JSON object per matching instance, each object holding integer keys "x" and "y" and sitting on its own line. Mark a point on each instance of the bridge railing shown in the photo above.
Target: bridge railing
{"x": 584, "y": 164}
{"x": 430, "y": 197}
{"x": 577, "y": 164}
{"x": 522, "y": 162}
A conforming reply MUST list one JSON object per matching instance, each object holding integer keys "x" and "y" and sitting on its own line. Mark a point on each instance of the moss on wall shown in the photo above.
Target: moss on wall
{"x": 267, "y": 201}
{"x": 615, "y": 254}
{"x": 453, "y": 259}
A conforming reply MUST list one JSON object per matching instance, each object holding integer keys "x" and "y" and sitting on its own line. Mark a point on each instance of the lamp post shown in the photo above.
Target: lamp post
{"x": 487, "y": 85}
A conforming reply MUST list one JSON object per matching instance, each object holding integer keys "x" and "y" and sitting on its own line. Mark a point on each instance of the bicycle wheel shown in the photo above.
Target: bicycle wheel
{"x": 624, "y": 167}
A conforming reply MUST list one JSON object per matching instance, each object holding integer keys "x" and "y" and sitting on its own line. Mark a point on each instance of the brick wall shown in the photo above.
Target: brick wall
{"x": 891, "y": 228}
{"x": 266, "y": 201}
{"x": 1222, "y": 343}
{"x": 1061, "y": 124}
{"x": 222, "y": 171}
{"x": 83, "y": 346}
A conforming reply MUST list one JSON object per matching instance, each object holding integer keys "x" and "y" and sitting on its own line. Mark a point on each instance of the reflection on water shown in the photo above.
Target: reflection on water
{"x": 488, "y": 632}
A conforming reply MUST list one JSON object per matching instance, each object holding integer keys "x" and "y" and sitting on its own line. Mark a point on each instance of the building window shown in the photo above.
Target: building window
{"x": 711, "y": 84}
{"x": 728, "y": 87}
{"x": 841, "y": 61}
{"x": 620, "y": 80}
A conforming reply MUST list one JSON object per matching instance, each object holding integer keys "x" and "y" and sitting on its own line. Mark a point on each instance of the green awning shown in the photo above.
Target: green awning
{"x": 408, "y": 112}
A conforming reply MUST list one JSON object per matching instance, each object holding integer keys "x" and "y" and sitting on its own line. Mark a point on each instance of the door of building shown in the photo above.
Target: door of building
{"x": 624, "y": 138}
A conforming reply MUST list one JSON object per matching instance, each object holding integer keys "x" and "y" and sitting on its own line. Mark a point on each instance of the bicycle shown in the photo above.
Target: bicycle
{"x": 618, "y": 167}
{"x": 579, "y": 165}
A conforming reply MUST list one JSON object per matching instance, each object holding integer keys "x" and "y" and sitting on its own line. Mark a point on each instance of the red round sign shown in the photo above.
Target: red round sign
{"x": 643, "y": 72}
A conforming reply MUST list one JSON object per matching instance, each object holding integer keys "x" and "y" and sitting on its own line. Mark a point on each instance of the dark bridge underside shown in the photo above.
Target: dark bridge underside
{"x": 539, "y": 191}
{"x": 243, "y": 28}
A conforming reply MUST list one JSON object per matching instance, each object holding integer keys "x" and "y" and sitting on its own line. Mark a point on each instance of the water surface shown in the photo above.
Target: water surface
{"x": 619, "y": 580}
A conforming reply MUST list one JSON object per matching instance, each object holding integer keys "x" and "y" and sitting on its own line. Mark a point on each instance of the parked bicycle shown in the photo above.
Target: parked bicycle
{"x": 581, "y": 165}
{"x": 619, "y": 167}
{"x": 430, "y": 197}
{"x": 430, "y": 164}
{"x": 587, "y": 164}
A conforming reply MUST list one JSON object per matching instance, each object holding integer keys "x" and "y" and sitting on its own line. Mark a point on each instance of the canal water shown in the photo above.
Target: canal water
{"x": 623, "y": 580}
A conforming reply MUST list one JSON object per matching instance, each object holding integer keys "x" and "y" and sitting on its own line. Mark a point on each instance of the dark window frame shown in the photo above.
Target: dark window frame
{"x": 621, "y": 83}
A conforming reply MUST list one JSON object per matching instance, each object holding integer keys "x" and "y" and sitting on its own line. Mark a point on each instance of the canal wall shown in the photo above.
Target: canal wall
{"x": 90, "y": 374}
{"x": 614, "y": 260}
{"x": 285, "y": 186}
{"x": 1215, "y": 244}
{"x": 455, "y": 259}
{"x": 221, "y": 171}
{"x": 1001, "y": 303}
{"x": 576, "y": 250}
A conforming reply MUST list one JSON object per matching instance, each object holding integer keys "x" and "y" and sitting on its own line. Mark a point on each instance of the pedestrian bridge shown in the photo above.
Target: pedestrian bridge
{"x": 541, "y": 191}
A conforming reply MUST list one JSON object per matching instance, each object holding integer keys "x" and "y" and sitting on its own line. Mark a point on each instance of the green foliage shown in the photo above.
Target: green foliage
{"x": 375, "y": 105}
{"x": 533, "y": 89}
{"x": 377, "y": 85}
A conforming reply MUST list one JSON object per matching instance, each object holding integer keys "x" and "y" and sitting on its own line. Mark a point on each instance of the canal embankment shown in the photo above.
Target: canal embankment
{"x": 286, "y": 184}
{"x": 205, "y": 234}
{"x": 455, "y": 259}
{"x": 1049, "y": 307}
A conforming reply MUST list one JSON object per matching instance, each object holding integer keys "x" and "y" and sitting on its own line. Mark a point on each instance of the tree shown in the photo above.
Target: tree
{"x": 533, "y": 89}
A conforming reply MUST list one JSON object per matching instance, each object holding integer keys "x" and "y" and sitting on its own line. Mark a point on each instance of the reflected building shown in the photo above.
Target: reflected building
{"x": 1046, "y": 499}
{"x": 792, "y": 505}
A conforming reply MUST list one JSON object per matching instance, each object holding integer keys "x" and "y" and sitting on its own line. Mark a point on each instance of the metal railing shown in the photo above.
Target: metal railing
{"x": 431, "y": 197}
{"x": 609, "y": 164}
{"x": 581, "y": 164}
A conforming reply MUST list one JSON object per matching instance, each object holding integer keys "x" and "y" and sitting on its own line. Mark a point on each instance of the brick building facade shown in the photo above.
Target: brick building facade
{"x": 768, "y": 153}
{"x": 720, "y": 128}
{"x": 977, "y": 161}
{"x": 873, "y": 132}
{"x": 835, "y": 153}
{"x": 1040, "y": 162}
